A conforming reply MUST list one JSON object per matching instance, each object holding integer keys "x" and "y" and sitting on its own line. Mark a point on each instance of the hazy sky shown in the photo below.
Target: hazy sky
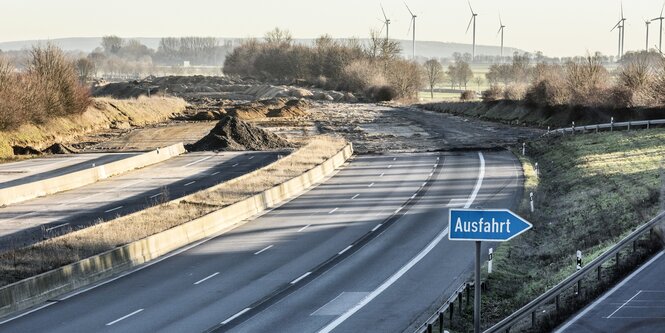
{"x": 556, "y": 27}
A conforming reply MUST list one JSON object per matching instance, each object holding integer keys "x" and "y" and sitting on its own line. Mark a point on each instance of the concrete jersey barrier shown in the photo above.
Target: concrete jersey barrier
{"x": 29, "y": 292}
{"x": 18, "y": 193}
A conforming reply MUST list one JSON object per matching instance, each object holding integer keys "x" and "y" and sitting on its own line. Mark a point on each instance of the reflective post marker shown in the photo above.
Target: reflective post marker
{"x": 579, "y": 260}
{"x": 489, "y": 261}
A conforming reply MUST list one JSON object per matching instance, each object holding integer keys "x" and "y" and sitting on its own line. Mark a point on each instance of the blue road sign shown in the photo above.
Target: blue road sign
{"x": 497, "y": 225}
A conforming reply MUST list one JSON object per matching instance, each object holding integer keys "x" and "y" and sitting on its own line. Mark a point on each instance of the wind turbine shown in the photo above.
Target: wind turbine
{"x": 386, "y": 23}
{"x": 501, "y": 28}
{"x": 661, "y": 18}
{"x": 473, "y": 20}
{"x": 413, "y": 21}
{"x": 621, "y": 25}
{"x": 647, "y": 22}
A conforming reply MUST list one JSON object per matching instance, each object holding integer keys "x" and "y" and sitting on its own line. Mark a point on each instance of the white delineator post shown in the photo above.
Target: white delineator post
{"x": 537, "y": 170}
{"x": 533, "y": 209}
{"x": 579, "y": 260}
{"x": 523, "y": 149}
{"x": 489, "y": 261}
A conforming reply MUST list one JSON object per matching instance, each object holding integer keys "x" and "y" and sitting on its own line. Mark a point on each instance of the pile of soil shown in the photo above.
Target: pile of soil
{"x": 54, "y": 149}
{"x": 271, "y": 108}
{"x": 233, "y": 134}
{"x": 292, "y": 109}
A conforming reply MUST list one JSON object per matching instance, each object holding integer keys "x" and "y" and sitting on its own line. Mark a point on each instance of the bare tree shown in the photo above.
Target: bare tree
{"x": 86, "y": 69}
{"x": 433, "y": 73}
{"x": 478, "y": 80}
{"x": 112, "y": 44}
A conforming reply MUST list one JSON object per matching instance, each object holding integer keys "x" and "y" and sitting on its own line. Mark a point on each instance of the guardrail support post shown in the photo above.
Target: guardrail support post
{"x": 617, "y": 261}
{"x": 579, "y": 288}
{"x": 629, "y": 125}
{"x": 440, "y": 322}
{"x": 598, "y": 269}
{"x": 452, "y": 310}
{"x": 468, "y": 294}
{"x": 429, "y": 328}
{"x": 459, "y": 298}
{"x": 557, "y": 303}
{"x": 634, "y": 245}
{"x": 648, "y": 124}
{"x": 533, "y": 319}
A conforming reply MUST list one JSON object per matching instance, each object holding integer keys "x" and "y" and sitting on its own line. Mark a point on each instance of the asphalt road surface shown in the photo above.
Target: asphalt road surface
{"x": 635, "y": 305}
{"x": 366, "y": 251}
{"x": 16, "y": 173}
{"x": 32, "y": 220}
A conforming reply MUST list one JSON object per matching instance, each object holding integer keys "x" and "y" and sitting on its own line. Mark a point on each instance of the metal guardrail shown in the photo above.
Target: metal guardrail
{"x": 611, "y": 126}
{"x": 553, "y": 293}
{"x": 449, "y": 305}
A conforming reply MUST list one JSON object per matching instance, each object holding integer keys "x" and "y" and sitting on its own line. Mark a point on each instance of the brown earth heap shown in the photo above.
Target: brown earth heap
{"x": 230, "y": 133}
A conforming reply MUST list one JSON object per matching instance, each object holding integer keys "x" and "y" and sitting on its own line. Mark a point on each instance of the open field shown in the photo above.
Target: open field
{"x": 592, "y": 191}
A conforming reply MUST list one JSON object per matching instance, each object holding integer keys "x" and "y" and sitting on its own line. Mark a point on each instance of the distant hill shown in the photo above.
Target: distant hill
{"x": 423, "y": 48}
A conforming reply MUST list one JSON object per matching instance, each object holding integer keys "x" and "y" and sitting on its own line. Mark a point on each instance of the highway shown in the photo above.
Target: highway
{"x": 31, "y": 220}
{"x": 16, "y": 173}
{"x": 635, "y": 305}
{"x": 367, "y": 250}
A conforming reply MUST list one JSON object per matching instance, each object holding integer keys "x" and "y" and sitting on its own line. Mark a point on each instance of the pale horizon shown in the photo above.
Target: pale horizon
{"x": 531, "y": 26}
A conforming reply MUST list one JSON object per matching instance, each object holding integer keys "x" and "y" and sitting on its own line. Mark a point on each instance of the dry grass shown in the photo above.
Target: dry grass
{"x": 32, "y": 260}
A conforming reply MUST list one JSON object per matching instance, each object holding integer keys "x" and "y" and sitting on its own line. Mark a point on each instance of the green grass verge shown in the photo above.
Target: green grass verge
{"x": 592, "y": 191}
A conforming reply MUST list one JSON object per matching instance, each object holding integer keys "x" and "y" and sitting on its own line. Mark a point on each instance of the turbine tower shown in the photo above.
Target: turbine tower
{"x": 473, "y": 20}
{"x": 501, "y": 28}
{"x": 661, "y": 18}
{"x": 413, "y": 21}
{"x": 386, "y": 23}
{"x": 621, "y": 25}
{"x": 647, "y": 22}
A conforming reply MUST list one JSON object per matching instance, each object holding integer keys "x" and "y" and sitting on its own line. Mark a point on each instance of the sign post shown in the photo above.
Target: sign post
{"x": 497, "y": 225}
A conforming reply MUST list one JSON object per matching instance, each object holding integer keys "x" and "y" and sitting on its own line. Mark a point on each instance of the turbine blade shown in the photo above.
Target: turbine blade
{"x": 616, "y": 26}
{"x": 498, "y": 32}
{"x": 469, "y": 26}
{"x": 662, "y": 9}
{"x": 409, "y": 9}
{"x": 622, "y": 10}
{"x": 384, "y": 13}
{"x": 469, "y": 1}
{"x": 500, "y": 21}
{"x": 410, "y": 24}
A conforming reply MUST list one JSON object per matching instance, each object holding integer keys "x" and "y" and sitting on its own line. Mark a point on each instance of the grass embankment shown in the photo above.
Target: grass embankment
{"x": 520, "y": 113}
{"x": 592, "y": 191}
{"x": 22, "y": 263}
{"x": 104, "y": 113}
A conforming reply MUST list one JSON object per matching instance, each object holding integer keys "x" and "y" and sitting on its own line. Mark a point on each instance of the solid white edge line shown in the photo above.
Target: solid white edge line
{"x": 27, "y": 313}
{"x": 235, "y": 165}
{"x": 385, "y": 285}
{"x": 355, "y": 196}
{"x": 345, "y": 249}
{"x": 156, "y": 195}
{"x": 479, "y": 182}
{"x": 124, "y": 317}
{"x": 398, "y": 210}
{"x": 265, "y": 249}
{"x": 201, "y": 160}
{"x": 216, "y": 173}
{"x": 370, "y": 185}
{"x": 607, "y": 294}
{"x": 377, "y": 227}
{"x": 301, "y": 277}
{"x": 190, "y": 183}
{"x": 235, "y": 316}
{"x": 206, "y": 278}
{"x": 334, "y": 210}
{"x": 381, "y": 175}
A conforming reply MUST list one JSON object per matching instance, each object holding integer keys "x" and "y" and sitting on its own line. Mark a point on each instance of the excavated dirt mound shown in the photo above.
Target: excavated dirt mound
{"x": 272, "y": 108}
{"x": 59, "y": 148}
{"x": 234, "y": 134}
{"x": 292, "y": 109}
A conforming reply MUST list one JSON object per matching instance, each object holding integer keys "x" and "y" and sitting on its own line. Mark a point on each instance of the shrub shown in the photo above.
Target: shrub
{"x": 48, "y": 88}
{"x": 468, "y": 95}
{"x": 514, "y": 92}
{"x": 547, "y": 92}
{"x": 359, "y": 75}
{"x": 381, "y": 93}
{"x": 494, "y": 93}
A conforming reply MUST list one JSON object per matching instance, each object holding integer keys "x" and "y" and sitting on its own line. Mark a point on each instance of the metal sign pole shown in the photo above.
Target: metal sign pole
{"x": 476, "y": 299}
